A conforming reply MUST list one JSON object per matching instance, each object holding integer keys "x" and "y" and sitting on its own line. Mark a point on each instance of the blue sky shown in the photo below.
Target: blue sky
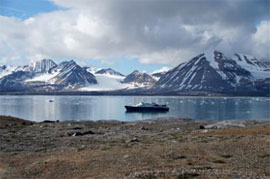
{"x": 25, "y": 8}
{"x": 129, "y": 35}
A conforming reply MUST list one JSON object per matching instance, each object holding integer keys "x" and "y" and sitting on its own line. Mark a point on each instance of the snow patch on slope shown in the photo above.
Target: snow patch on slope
{"x": 256, "y": 71}
{"x": 93, "y": 70}
{"x": 47, "y": 77}
{"x": 210, "y": 58}
{"x": 213, "y": 63}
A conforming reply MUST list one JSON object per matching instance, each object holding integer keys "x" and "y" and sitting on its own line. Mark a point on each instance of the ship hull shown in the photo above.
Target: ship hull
{"x": 146, "y": 109}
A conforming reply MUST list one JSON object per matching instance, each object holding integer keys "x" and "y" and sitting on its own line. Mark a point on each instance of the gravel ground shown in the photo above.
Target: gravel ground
{"x": 160, "y": 148}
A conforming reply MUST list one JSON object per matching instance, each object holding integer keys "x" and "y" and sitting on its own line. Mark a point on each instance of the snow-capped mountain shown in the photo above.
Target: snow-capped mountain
{"x": 70, "y": 74}
{"x": 111, "y": 80}
{"x": 139, "y": 79}
{"x": 206, "y": 73}
{"x": 109, "y": 71}
{"x": 47, "y": 75}
{"x": 213, "y": 72}
{"x": 67, "y": 74}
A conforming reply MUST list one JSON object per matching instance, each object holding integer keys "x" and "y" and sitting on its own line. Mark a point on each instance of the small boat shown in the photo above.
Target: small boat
{"x": 147, "y": 107}
{"x": 50, "y": 100}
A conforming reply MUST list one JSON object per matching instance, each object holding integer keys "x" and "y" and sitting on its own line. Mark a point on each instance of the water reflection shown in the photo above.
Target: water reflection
{"x": 40, "y": 108}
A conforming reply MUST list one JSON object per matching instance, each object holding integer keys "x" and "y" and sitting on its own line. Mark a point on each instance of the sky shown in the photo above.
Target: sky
{"x": 131, "y": 34}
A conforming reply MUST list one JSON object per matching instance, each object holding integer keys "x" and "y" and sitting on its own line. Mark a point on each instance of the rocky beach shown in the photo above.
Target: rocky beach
{"x": 157, "y": 148}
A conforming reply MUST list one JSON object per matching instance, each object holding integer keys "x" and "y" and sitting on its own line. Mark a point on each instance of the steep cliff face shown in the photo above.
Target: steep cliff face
{"x": 42, "y": 66}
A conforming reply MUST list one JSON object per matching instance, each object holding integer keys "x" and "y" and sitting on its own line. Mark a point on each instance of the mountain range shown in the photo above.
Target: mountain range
{"x": 206, "y": 73}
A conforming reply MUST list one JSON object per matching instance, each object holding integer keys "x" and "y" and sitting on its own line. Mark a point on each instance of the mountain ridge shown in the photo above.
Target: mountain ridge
{"x": 210, "y": 72}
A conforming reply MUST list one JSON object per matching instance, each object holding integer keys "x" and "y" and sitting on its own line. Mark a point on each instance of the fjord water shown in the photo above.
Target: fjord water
{"x": 39, "y": 108}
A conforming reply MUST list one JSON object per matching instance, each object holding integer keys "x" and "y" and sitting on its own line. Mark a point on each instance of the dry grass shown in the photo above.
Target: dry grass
{"x": 178, "y": 150}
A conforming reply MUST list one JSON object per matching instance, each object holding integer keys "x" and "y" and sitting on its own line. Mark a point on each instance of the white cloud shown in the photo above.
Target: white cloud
{"x": 164, "y": 32}
{"x": 261, "y": 40}
{"x": 262, "y": 33}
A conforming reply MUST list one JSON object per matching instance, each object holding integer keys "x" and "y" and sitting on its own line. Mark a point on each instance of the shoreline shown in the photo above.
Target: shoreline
{"x": 139, "y": 95}
{"x": 119, "y": 93}
{"x": 161, "y": 148}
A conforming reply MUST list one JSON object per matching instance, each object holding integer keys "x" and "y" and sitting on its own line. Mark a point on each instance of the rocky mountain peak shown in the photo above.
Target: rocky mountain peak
{"x": 109, "y": 71}
{"x": 3, "y": 67}
{"x": 140, "y": 78}
{"x": 43, "y": 66}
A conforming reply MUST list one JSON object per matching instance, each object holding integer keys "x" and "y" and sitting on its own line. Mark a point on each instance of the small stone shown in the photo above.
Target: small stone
{"x": 125, "y": 156}
{"x": 81, "y": 133}
{"x": 144, "y": 128}
{"x": 75, "y": 134}
{"x": 202, "y": 127}
{"x": 133, "y": 140}
{"x": 88, "y": 132}
{"x": 48, "y": 121}
{"x": 77, "y": 128}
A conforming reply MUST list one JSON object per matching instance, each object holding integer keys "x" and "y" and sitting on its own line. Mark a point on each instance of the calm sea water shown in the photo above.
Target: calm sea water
{"x": 38, "y": 108}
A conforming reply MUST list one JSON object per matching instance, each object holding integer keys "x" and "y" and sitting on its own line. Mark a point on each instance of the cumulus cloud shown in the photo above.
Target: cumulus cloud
{"x": 160, "y": 31}
{"x": 261, "y": 40}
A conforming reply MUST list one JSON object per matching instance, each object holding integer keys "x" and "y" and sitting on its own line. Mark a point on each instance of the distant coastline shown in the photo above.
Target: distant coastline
{"x": 127, "y": 93}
